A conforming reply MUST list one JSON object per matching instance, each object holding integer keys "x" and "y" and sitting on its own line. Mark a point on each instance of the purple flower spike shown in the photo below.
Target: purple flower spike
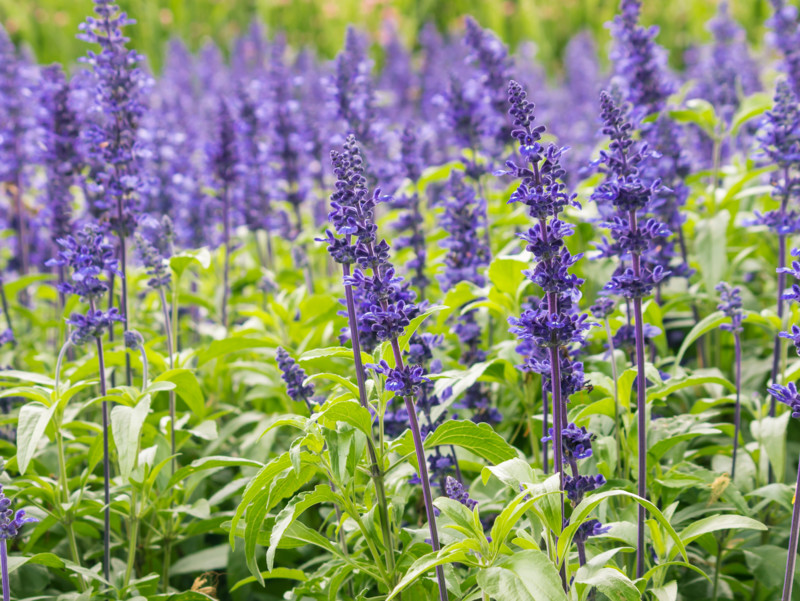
{"x": 455, "y": 490}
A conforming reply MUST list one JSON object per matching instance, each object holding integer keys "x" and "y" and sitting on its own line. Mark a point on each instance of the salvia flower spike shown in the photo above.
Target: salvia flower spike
{"x": 789, "y": 395}
{"x": 548, "y": 331}
{"x": 625, "y": 198}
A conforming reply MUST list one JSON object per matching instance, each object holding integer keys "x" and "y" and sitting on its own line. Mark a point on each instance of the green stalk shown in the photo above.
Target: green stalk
{"x": 133, "y": 532}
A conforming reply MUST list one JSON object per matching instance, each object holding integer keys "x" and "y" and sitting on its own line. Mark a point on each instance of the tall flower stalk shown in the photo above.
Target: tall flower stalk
{"x": 120, "y": 86}
{"x": 731, "y": 305}
{"x": 90, "y": 256}
{"x": 789, "y": 395}
{"x": 346, "y": 209}
{"x": 550, "y": 328}
{"x": 779, "y": 142}
{"x": 633, "y": 233}
{"x": 391, "y": 305}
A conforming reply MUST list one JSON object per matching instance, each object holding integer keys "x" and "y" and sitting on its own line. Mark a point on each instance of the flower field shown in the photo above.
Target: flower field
{"x": 423, "y": 321}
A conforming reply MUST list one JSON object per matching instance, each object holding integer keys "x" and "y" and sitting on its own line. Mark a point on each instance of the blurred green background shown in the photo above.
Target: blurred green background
{"x": 49, "y": 26}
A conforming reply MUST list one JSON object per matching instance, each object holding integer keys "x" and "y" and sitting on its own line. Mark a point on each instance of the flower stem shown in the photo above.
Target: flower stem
{"x": 4, "y": 568}
{"x": 133, "y": 531}
{"x": 737, "y": 415}
{"x": 617, "y": 423}
{"x": 423, "y": 471}
{"x": 106, "y": 460}
{"x": 545, "y": 427}
{"x": 791, "y": 558}
{"x": 375, "y": 469}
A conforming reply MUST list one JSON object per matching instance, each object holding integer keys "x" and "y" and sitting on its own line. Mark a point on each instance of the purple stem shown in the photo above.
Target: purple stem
{"x": 4, "y": 568}
{"x": 101, "y": 368}
{"x": 776, "y": 351}
{"x": 641, "y": 403}
{"x": 545, "y": 462}
{"x": 375, "y": 469}
{"x": 423, "y": 472}
{"x": 123, "y": 264}
{"x": 737, "y": 415}
{"x": 791, "y": 558}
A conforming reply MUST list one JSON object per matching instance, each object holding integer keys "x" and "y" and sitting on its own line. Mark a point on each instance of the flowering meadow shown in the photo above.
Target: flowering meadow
{"x": 421, "y": 323}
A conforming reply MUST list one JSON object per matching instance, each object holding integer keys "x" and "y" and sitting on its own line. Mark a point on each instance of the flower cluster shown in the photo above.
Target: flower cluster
{"x": 779, "y": 143}
{"x": 120, "y": 88}
{"x": 625, "y": 193}
{"x": 89, "y": 256}
{"x": 455, "y": 490}
{"x": 154, "y": 240}
{"x": 295, "y": 377}
{"x": 786, "y": 38}
{"x": 788, "y": 394}
{"x": 61, "y": 151}
{"x": 11, "y": 523}
{"x": 731, "y": 305}
{"x": 639, "y": 63}
{"x": 411, "y": 220}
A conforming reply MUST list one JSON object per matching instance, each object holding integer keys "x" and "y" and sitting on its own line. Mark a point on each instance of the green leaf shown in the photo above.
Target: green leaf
{"x": 291, "y": 512}
{"x": 187, "y": 388}
{"x": 181, "y": 261}
{"x": 526, "y": 576}
{"x": 336, "y": 378}
{"x": 719, "y": 522}
{"x": 126, "y": 427}
{"x": 770, "y": 432}
{"x": 675, "y": 384}
{"x": 700, "y": 112}
{"x": 33, "y": 420}
{"x": 49, "y": 560}
{"x": 711, "y": 248}
{"x": 708, "y": 323}
{"x": 219, "y": 348}
{"x": 480, "y": 439}
{"x": 205, "y": 560}
{"x": 505, "y": 274}
{"x": 582, "y": 511}
{"x": 612, "y": 583}
{"x": 263, "y": 479}
{"x": 332, "y": 351}
{"x": 27, "y": 376}
{"x": 210, "y": 463}
{"x": 276, "y": 574}
{"x": 349, "y": 412}
{"x": 427, "y": 563}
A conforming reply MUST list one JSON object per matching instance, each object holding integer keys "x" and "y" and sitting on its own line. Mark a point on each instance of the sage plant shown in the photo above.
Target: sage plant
{"x": 779, "y": 143}
{"x": 633, "y": 234}
{"x": 789, "y": 395}
{"x": 555, "y": 324}
{"x": 352, "y": 216}
{"x": 120, "y": 87}
{"x": 90, "y": 256}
